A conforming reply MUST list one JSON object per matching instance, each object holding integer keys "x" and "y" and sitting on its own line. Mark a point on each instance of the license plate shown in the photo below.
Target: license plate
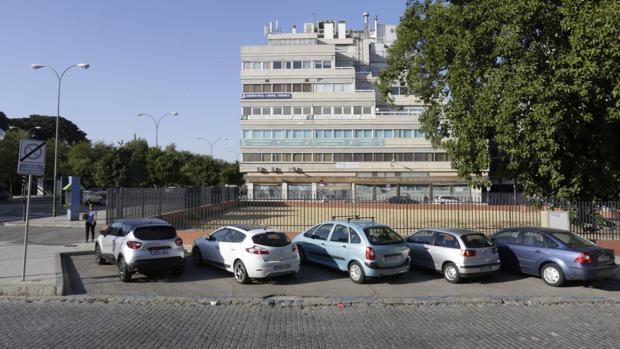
{"x": 158, "y": 252}
{"x": 485, "y": 268}
{"x": 280, "y": 267}
{"x": 391, "y": 259}
{"x": 603, "y": 258}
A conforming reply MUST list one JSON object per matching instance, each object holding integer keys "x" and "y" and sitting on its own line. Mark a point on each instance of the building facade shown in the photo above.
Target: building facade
{"x": 313, "y": 124}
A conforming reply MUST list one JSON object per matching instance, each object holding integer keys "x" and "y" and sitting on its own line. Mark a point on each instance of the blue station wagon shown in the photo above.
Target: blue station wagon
{"x": 554, "y": 255}
{"x": 363, "y": 248}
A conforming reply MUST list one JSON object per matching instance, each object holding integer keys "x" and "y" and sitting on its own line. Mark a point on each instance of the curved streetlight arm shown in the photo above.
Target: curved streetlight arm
{"x": 156, "y": 122}
{"x": 212, "y": 144}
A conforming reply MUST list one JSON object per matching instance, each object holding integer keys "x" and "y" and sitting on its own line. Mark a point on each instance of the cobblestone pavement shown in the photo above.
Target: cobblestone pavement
{"x": 56, "y": 323}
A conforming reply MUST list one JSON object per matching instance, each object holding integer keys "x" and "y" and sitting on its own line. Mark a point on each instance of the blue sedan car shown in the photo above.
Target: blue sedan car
{"x": 363, "y": 248}
{"x": 554, "y": 255}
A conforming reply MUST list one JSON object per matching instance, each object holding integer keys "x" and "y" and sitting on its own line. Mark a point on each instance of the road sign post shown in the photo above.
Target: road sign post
{"x": 31, "y": 162}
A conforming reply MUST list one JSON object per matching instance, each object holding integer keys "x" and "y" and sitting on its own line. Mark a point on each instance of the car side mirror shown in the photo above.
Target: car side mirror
{"x": 209, "y": 238}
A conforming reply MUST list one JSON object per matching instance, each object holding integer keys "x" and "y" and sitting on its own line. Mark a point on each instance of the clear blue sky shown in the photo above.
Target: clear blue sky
{"x": 148, "y": 56}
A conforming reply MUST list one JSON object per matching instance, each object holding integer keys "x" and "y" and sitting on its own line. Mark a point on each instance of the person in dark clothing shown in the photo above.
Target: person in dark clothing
{"x": 91, "y": 222}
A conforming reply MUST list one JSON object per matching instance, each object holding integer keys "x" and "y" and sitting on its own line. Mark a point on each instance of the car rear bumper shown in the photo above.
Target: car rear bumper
{"x": 154, "y": 264}
{"x": 273, "y": 269}
{"x": 479, "y": 269}
{"x": 371, "y": 269}
{"x": 592, "y": 272}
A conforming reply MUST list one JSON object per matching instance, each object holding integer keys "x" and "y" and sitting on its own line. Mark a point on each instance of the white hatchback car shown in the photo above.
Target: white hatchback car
{"x": 250, "y": 252}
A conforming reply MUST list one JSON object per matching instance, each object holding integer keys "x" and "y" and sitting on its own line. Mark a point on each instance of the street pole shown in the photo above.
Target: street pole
{"x": 212, "y": 144}
{"x": 59, "y": 77}
{"x": 26, "y": 231}
{"x": 156, "y": 122}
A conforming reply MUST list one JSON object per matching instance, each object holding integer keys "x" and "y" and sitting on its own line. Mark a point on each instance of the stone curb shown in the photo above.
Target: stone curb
{"x": 60, "y": 271}
{"x": 319, "y": 302}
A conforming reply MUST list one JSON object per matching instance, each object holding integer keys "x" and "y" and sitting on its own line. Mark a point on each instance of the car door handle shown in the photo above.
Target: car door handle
{"x": 322, "y": 243}
{"x": 217, "y": 247}
{"x": 345, "y": 246}
{"x": 538, "y": 251}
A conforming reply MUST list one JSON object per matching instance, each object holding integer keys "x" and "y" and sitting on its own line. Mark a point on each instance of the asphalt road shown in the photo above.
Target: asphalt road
{"x": 70, "y": 324}
{"x": 84, "y": 277}
{"x": 13, "y": 210}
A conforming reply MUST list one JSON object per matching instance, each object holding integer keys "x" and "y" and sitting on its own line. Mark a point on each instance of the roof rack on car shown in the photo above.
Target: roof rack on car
{"x": 349, "y": 218}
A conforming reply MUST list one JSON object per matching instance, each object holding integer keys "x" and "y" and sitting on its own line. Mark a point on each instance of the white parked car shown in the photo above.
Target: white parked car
{"x": 250, "y": 252}
{"x": 446, "y": 199}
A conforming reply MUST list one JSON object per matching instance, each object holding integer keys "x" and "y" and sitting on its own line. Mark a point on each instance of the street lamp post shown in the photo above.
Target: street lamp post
{"x": 59, "y": 76}
{"x": 212, "y": 144}
{"x": 156, "y": 122}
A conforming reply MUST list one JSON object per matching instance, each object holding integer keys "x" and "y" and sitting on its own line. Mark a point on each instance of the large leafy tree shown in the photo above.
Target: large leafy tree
{"x": 535, "y": 80}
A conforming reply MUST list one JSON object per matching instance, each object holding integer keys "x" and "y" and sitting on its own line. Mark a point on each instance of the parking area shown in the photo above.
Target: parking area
{"x": 84, "y": 277}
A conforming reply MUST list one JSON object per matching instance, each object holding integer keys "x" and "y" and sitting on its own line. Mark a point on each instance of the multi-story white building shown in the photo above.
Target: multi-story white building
{"x": 313, "y": 125}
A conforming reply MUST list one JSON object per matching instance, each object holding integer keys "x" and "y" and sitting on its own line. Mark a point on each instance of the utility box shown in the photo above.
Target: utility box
{"x": 555, "y": 220}
{"x": 73, "y": 198}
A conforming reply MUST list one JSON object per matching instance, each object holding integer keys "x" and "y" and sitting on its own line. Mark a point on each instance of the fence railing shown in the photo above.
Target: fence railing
{"x": 213, "y": 207}
{"x": 164, "y": 202}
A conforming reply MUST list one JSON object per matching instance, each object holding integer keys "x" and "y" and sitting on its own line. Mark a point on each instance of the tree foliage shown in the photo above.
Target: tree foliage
{"x": 535, "y": 79}
{"x": 132, "y": 164}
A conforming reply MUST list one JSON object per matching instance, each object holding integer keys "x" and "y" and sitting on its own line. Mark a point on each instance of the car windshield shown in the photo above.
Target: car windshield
{"x": 155, "y": 233}
{"x": 572, "y": 240}
{"x": 272, "y": 239}
{"x": 476, "y": 241}
{"x": 382, "y": 236}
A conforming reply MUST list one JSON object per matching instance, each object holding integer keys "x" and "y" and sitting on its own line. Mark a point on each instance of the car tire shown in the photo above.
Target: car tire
{"x": 123, "y": 270}
{"x": 179, "y": 270}
{"x": 356, "y": 273}
{"x": 98, "y": 257}
{"x": 552, "y": 274}
{"x": 451, "y": 273}
{"x": 241, "y": 274}
{"x": 302, "y": 255}
{"x": 197, "y": 257}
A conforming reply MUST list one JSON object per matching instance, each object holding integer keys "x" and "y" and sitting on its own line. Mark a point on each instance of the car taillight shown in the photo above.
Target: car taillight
{"x": 468, "y": 253}
{"x": 134, "y": 245}
{"x": 370, "y": 253}
{"x": 584, "y": 258}
{"x": 294, "y": 247}
{"x": 179, "y": 242}
{"x": 256, "y": 250}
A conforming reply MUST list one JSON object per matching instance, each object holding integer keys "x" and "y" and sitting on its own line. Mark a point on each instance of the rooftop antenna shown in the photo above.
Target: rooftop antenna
{"x": 277, "y": 29}
{"x": 365, "y": 14}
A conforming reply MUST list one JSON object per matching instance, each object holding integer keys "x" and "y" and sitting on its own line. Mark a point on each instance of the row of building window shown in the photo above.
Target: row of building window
{"x": 332, "y": 134}
{"x": 275, "y": 65}
{"x": 362, "y": 191}
{"x": 314, "y": 110}
{"x": 291, "y": 42}
{"x": 305, "y": 87}
{"x": 343, "y": 157}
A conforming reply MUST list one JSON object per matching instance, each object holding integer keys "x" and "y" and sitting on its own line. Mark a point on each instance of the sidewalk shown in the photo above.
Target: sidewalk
{"x": 57, "y": 222}
{"x": 43, "y": 269}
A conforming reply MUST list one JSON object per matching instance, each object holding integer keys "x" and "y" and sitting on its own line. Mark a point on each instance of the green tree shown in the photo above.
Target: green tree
{"x": 68, "y": 131}
{"x": 536, "y": 79}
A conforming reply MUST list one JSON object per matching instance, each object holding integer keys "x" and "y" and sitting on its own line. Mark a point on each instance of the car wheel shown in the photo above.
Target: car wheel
{"x": 356, "y": 273}
{"x": 197, "y": 257}
{"x": 552, "y": 274}
{"x": 241, "y": 275}
{"x": 302, "y": 255}
{"x": 123, "y": 270}
{"x": 98, "y": 257}
{"x": 179, "y": 270}
{"x": 451, "y": 273}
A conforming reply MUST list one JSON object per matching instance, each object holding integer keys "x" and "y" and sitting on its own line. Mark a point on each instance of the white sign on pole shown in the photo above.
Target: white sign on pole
{"x": 31, "y": 157}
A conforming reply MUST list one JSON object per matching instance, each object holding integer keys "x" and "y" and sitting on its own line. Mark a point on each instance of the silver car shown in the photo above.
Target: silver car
{"x": 140, "y": 245}
{"x": 455, "y": 253}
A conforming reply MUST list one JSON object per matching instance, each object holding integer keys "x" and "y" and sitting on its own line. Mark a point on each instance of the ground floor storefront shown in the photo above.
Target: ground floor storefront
{"x": 360, "y": 190}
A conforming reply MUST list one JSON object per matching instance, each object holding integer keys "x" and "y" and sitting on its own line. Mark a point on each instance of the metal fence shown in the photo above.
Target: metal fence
{"x": 165, "y": 202}
{"x": 404, "y": 217}
{"x": 211, "y": 208}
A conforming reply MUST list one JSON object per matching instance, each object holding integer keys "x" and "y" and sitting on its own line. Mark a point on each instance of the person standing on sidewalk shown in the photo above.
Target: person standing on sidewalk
{"x": 91, "y": 222}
